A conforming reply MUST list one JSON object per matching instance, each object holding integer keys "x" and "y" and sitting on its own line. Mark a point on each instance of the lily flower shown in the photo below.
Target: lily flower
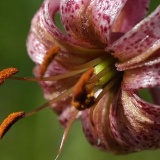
{"x": 93, "y": 68}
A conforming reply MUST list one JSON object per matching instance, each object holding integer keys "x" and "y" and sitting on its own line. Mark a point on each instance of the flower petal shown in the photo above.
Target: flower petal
{"x": 143, "y": 37}
{"x": 148, "y": 58}
{"x": 35, "y": 48}
{"x": 143, "y": 77}
{"x": 72, "y": 14}
{"x": 98, "y": 125}
{"x": 39, "y": 40}
{"x": 123, "y": 125}
{"x": 130, "y": 16}
{"x": 104, "y": 15}
{"x": 89, "y": 130}
{"x": 49, "y": 11}
{"x": 138, "y": 122}
{"x": 87, "y": 19}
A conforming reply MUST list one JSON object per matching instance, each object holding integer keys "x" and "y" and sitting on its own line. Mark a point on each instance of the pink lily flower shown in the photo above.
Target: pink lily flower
{"x": 123, "y": 47}
{"x": 107, "y": 53}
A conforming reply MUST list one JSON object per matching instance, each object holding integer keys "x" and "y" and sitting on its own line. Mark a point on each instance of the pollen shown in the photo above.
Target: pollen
{"x": 82, "y": 98}
{"x": 6, "y": 73}
{"x": 9, "y": 121}
{"x": 50, "y": 55}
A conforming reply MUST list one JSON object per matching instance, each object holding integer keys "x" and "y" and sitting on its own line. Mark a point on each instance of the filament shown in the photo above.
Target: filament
{"x": 87, "y": 65}
{"x": 65, "y": 134}
{"x": 50, "y": 78}
{"x": 58, "y": 98}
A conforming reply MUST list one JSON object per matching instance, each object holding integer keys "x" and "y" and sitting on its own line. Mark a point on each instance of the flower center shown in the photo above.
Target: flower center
{"x": 95, "y": 82}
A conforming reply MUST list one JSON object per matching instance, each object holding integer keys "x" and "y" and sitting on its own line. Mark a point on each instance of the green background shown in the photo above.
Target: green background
{"x": 37, "y": 137}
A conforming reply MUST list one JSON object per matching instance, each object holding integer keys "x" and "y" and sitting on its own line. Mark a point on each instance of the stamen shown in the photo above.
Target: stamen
{"x": 6, "y": 73}
{"x": 58, "y": 98}
{"x": 9, "y": 121}
{"x": 87, "y": 65}
{"x": 81, "y": 97}
{"x": 51, "y": 78}
{"x": 14, "y": 117}
{"x": 50, "y": 55}
{"x": 65, "y": 134}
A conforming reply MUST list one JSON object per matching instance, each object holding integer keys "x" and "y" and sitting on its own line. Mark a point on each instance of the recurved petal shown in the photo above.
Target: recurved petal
{"x": 144, "y": 37}
{"x": 73, "y": 19}
{"x": 123, "y": 125}
{"x": 39, "y": 40}
{"x": 131, "y": 14}
{"x": 89, "y": 130}
{"x": 143, "y": 77}
{"x": 36, "y": 50}
{"x": 98, "y": 125}
{"x": 137, "y": 122}
{"x": 104, "y": 15}
{"x": 50, "y": 9}
{"x": 92, "y": 124}
{"x": 148, "y": 58}
{"x": 91, "y": 18}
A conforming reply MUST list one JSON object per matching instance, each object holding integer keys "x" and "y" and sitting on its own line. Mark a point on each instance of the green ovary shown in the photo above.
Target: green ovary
{"x": 106, "y": 70}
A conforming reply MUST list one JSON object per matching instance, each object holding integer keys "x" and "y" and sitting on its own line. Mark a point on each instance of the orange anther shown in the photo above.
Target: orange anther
{"x": 49, "y": 56}
{"x": 6, "y": 73}
{"x": 9, "y": 121}
{"x": 81, "y": 97}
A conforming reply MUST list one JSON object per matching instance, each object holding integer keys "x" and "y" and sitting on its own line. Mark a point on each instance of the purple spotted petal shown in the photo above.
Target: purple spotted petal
{"x": 130, "y": 16}
{"x": 94, "y": 18}
{"x": 89, "y": 130}
{"x": 128, "y": 124}
{"x": 143, "y": 77}
{"x": 96, "y": 125}
{"x": 137, "y": 122}
{"x": 72, "y": 15}
{"x": 39, "y": 40}
{"x": 148, "y": 58}
{"x": 49, "y": 12}
{"x": 143, "y": 38}
{"x": 36, "y": 50}
{"x": 104, "y": 15}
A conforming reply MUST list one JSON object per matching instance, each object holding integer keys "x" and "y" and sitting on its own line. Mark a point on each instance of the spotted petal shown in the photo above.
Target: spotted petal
{"x": 140, "y": 43}
{"x": 87, "y": 19}
{"x": 143, "y": 77}
{"x": 137, "y": 122}
{"x": 130, "y": 16}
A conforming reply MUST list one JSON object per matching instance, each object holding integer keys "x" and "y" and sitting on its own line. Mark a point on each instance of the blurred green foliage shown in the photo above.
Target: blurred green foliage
{"x": 37, "y": 137}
